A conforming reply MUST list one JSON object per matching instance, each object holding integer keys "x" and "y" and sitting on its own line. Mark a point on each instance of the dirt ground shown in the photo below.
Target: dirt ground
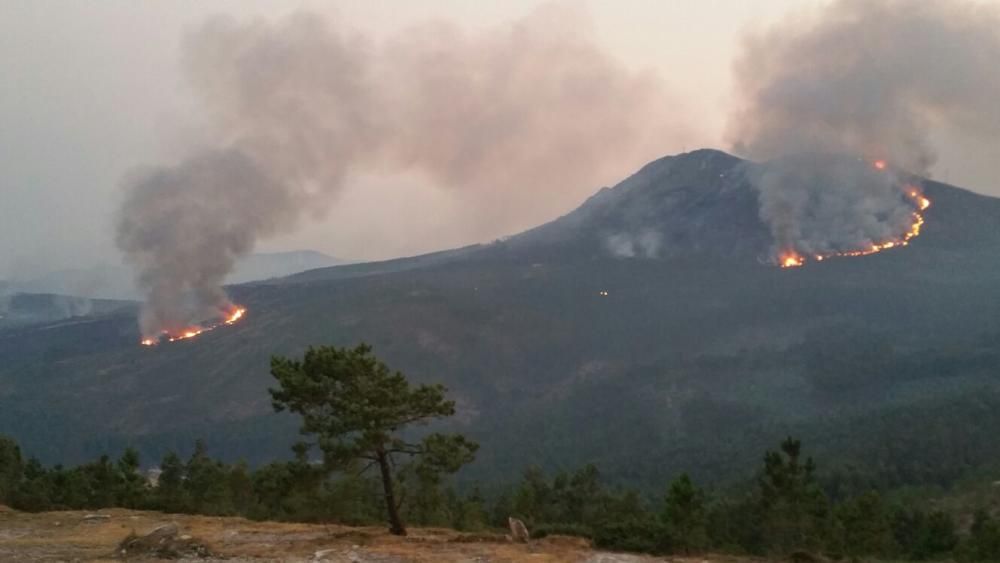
{"x": 94, "y": 536}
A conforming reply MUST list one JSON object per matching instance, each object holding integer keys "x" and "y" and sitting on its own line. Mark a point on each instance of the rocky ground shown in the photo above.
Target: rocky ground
{"x": 147, "y": 536}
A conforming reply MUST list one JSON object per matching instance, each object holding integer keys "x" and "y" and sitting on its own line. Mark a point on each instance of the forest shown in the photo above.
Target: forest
{"x": 357, "y": 411}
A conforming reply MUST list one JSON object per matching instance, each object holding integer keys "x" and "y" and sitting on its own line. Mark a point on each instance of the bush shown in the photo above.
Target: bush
{"x": 639, "y": 535}
{"x": 575, "y": 530}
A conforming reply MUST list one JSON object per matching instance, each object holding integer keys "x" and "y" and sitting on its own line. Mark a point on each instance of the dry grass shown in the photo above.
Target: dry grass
{"x": 68, "y": 536}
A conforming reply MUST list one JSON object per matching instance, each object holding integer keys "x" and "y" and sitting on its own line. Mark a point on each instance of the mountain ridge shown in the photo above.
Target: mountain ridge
{"x": 115, "y": 282}
{"x": 559, "y": 351}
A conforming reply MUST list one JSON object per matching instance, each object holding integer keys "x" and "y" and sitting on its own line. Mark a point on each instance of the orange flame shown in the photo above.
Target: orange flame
{"x": 235, "y": 315}
{"x": 791, "y": 259}
{"x": 921, "y": 201}
{"x": 231, "y": 317}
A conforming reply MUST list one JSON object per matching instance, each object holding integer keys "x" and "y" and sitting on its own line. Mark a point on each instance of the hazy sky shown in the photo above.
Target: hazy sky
{"x": 91, "y": 90}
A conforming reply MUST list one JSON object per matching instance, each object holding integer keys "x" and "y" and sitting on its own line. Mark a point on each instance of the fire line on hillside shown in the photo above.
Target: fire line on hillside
{"x": 791, "y": 258}
{"x": 231, "y": 317}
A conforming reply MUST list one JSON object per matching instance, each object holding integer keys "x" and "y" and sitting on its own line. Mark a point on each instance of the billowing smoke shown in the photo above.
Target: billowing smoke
{"x": 504, "y": 118}
{"x": 867, "y": 78}
{"x": 183, "y": 228}
{"x": 823, "y": 203}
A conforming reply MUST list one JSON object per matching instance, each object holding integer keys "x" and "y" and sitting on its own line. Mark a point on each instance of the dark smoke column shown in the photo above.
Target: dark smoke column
{"x": 508, "y": 121}
{"x": 182, "y": 229}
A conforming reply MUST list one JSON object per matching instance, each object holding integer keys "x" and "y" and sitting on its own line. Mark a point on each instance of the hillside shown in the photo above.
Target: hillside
{"x": 21, "y": 309}
{"x": 641, "y": 332}
{"x": 114, "y": 281}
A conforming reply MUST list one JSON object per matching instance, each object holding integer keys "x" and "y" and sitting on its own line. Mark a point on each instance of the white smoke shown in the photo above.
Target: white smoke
{"x": 508, "y": 119}
{"x": 865, "y": 78}
{"x": 646, "y": 244}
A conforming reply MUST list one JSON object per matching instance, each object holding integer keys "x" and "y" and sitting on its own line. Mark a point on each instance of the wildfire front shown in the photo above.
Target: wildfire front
{"x": 791, "y": 258}
{"x": 229, "y": 317}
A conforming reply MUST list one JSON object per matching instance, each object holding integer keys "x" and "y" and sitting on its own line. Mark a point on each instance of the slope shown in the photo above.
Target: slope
{"x": 677, "y": 349}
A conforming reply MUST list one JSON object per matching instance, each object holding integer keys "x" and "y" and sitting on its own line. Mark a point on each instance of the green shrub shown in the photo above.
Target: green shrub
{"x": 644, "y": 535}
{"x": 576, "y": 530}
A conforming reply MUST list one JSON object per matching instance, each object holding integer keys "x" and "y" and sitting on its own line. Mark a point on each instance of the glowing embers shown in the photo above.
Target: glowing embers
{"x": 230, "y": 317}
{"x": 790, "y": 258}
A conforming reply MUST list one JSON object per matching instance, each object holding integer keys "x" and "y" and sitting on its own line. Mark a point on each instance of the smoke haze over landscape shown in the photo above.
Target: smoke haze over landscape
{"x": 65, "y": 154}
{"x": 581, "y": 261}
{"x": 862, "y": 78}
{"x": 505, "y": 118}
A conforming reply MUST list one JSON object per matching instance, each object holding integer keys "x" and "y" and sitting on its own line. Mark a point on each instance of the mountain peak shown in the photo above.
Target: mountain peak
{"x": 704, "y": 204}
{"x": 695, "y": 203}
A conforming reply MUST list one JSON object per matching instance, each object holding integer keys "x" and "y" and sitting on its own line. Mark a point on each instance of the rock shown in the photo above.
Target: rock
{"x": 162, "y": 543}
{"x": 319, "y": 555}
{"x": 163, "y": 531}
{"x": 518, "y": 531}
{"x": 96, "y": 517}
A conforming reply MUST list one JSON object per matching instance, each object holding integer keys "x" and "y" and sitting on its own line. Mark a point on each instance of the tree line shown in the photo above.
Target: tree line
{"x": 374, "y": 467}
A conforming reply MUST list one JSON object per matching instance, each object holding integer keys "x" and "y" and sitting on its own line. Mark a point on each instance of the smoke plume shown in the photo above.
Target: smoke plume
{"x": 183, "y": 228}
{"x": 645, "y": 244}
{"x": 867, "y": 78}
{"x": 504, "y": 119}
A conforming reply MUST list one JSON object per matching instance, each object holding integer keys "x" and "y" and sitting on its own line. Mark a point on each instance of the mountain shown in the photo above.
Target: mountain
{"x": 642, "y": 332}
{"x": 264, "y": 266}
{"x": 22, "y": 309}
{"x": 107, "y": 281}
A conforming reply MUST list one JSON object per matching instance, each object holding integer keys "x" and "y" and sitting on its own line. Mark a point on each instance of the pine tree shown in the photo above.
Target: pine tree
{"x": 984, "y": 538}
{"x": 503, "y": 508}
{"x": 585, "y": 502}
{"x": 131, "y": 488}
{"x": 102, "y": 477}
{"x": 532, "y": 499}
{"x": 240, "y": 484}
{"x": 358, "y": 409}
{"x": 206, "y": 483}
{"x": 11, "y": 468}
{"x": 273, "y": 488}
{"x": 170, "y": 485}
{"x": 469, "y": 513}
{"x": 936, "y": 536}
{"x": 684, "y": 515}
{"x": 865, "y": 527}
{"x": 793, "y": 508}
{"x": 34, "y": 493}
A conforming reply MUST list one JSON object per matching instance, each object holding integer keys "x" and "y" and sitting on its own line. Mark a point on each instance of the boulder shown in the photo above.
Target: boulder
{"x": 518, "y": 531}
{"x": 163, "y": 542}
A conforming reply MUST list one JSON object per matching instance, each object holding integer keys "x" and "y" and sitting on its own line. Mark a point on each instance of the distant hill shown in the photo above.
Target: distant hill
{"x": 21, "y": 309}
{"x": 642, "y": 332}
{"x": 115, "y": 282}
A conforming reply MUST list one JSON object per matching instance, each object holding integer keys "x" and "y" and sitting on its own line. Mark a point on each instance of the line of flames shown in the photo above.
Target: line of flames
{"x": 793, "y": 259}
{"x": 192, "y": 331}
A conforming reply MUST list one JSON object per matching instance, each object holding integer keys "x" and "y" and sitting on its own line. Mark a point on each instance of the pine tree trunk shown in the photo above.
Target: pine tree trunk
{"x": 395, "y": 523}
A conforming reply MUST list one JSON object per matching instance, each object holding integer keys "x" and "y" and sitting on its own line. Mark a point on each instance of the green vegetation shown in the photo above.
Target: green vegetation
{"x": 359, "y": 414}
{"x": 785, "y": 513}
{"x": 358, "y": 409}
{"x": 694, "y": 363}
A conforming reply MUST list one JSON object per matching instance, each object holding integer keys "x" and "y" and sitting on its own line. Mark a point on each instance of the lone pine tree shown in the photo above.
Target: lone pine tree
{"x": 357, "y": 410}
